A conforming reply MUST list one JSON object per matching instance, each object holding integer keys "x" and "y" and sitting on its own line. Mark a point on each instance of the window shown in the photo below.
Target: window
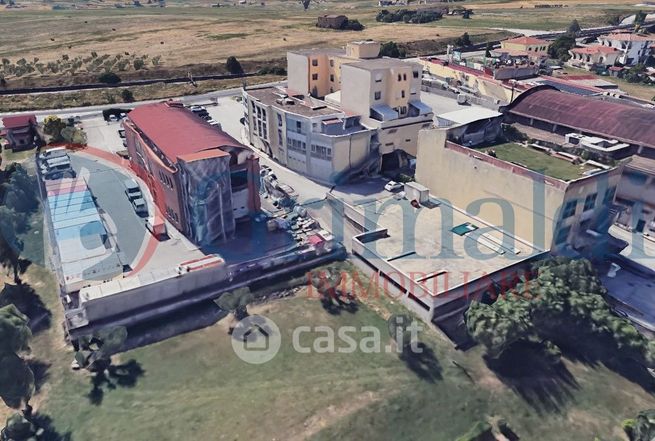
{"x": 331, "y": 63}
{"x": 569, "y": 209}
{"x": 590, "y": 201}
{"x": 315, "y": 62}
{"x": 332, "y": 77}
{"x": 415, "y": 73}
{"x": 279, "y": 137}
{"x": 378, "y": 77}
{"x": 404, "y": 77}
{"x": 321, "y": 152}
{"x": 400, "y": 78}
{"x": 378, "y": 95}
{"x": 314, "y": 77}
{"x": 298, "y": 127}
{"x": 279, "y": 120}
{"x": 562, "y": 235}
{"x": 609, "y": 195}
{"x": 402, "y": 94}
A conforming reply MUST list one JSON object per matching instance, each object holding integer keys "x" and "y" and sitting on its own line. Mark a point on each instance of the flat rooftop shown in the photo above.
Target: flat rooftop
{"x": 381, "y": 63}
{"x": 540, "y": 161}
{"x": 438, "y": 245}
{"x": 282, "y": 99}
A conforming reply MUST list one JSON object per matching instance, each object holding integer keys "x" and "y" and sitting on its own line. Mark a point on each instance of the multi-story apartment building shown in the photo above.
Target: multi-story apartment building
{"x": 549, "y": 212}
{"x": 342, "y": 113}
{"x": 201, "y": 179}
{"x": 635, "y": 48}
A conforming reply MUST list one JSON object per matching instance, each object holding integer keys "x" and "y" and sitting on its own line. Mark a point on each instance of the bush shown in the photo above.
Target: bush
{"x": 233, "y": 66}
{"x": 629, "y": 427}
{"x": 274, "y": 70}
{"x": 352, "y": 25}
{"x": 464, "y": 40}
{"x": 407, "y": 16}
{"x": 109, "y": 78}
{"x": 127, "y": 95}
{"x": 391, "y": 49}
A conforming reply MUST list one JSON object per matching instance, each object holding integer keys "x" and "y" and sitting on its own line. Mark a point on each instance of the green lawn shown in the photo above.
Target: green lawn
{"x": 538, "y": 161}
{"x": 194, "y": 387}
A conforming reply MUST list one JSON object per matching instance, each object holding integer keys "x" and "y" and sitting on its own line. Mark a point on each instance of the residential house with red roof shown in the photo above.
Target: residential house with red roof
{"x": 203, "y": 180}
{"x": 635, "y": 48}
{"x": 20, "y": 131}
{"x": 525, "y": 44}
{"x": 593, "y": 56}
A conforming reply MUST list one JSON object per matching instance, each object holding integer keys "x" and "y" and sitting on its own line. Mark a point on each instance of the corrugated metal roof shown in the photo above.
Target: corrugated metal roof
{"x": 176, "y": 131}
{"x": 609, "y": 119}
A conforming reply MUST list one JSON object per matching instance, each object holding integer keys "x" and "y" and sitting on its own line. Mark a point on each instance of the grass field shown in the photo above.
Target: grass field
{"x": 538, "y": 161}
{"x": 193, "y": 386}
{"x": 109, "y": 96}
{"x": 186, "y": 34}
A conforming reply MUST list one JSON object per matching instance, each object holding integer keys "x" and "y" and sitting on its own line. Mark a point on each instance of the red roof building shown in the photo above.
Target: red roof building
{"x": 20, "y": 131}
{"x": 549, "y": 109}
{"x": 201, "y": 178}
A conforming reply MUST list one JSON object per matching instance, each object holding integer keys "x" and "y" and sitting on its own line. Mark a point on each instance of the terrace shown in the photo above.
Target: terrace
{"x": 540, "y": 159}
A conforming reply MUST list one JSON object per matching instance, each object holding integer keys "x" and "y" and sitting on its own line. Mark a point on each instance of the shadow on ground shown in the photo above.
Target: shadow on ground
{"x": 115, "y": 376}
{"x": 602, "y": 351}
{"x": 422, "y": 361}
{"x": 49, "y": 432}
{"x": 545, "y": 386}
{"x": 40, "y": 371}
{"x": 339, "y": 303}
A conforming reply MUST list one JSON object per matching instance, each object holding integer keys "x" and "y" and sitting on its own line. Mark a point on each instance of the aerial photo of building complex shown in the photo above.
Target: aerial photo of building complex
{"x": 328, "y": 220}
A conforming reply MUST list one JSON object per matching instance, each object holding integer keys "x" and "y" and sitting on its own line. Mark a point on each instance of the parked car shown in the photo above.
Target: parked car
{"x": 112, "y": 118}
{"x": 132, "y": 190}
{"x": 57, "y": 152}
{"x": 393, "y": 186}
{"x": 140, "y": 207}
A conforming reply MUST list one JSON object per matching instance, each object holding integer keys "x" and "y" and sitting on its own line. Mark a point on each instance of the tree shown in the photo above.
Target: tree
{"x": 53, "y": 125}
{"x": 573, "y": 28}
{"x": 233, "y": 66}
{"x": 236, "y": 302}
{"x": 16, "y": 378}
{"x": 392, "y": 50}
{"x": 95, "y": 350}
{"x": 641, "y": 428}
{"x": 327, "y": 282}
{"x": 10, "y": 244}
{"x": 138, "y": 64}
{"x": 566, "y": 297}
{"x": 640, "y": 17}
{"x": 559, "y": 48}
{"x": 109, "y": 78}
{"x": 464, "y": 40}
{"x": 127, "y": 95}
{"x": 487, "y": 50}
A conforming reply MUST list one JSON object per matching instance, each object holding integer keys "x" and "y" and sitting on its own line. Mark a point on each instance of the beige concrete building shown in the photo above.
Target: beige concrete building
{"x": 525, "y": 44}
{"x": 636, "y": 195}
{"x": 342, "y": 114}
{"x": 550, "y": 213}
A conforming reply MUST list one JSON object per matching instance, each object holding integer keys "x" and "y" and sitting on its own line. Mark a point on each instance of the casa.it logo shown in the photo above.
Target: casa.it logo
{"x": 256, "y": 339}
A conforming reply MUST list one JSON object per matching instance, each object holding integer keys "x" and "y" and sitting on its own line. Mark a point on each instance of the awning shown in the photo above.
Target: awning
{"x": 385, "y": 112}
{"x": 422, "y": 108}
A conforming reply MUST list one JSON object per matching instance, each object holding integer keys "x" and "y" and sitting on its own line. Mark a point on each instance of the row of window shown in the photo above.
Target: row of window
{"x": 321, "y": 152}
{"x": 294, "y": 144}
{"x": 589, "y": 202}
{"x": 165, "y": 179}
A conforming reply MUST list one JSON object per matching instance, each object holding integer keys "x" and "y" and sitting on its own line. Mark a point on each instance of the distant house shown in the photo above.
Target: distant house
{"x": 634, "y": 48}
{"x": 593, "y": 56}
{"x": 20, "y": 131}
{"x": 332, "y": 21}
{"x": 525, "y": 44}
